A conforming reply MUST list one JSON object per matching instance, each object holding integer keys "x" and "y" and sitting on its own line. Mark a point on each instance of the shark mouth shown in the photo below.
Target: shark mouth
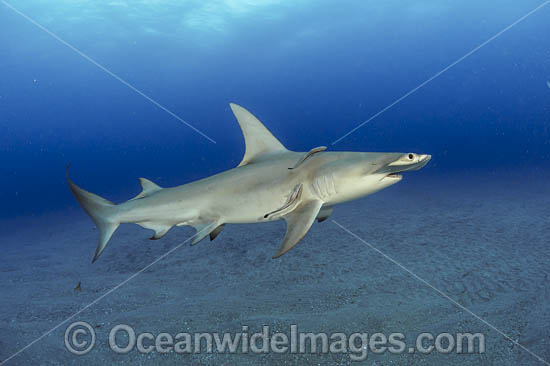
{"x": 394, "y": 176}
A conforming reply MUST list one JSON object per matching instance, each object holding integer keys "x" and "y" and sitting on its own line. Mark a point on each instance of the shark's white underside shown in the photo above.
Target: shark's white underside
{"x": 270, "y": 183}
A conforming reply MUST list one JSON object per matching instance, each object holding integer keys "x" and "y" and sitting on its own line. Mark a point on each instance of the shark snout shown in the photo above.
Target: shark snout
{"x": 423, "y": 159}
{"x": 406, "y": 162}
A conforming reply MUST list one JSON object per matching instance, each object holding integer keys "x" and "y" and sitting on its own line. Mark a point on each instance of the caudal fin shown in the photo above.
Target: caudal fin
{"x": 102, "y": 212}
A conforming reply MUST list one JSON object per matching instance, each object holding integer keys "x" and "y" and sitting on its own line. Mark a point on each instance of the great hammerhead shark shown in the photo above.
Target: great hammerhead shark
{"x": 270, "y": 183}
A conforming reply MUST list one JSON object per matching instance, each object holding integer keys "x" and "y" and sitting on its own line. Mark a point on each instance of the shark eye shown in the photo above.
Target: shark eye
{"x": 411, "y": 156}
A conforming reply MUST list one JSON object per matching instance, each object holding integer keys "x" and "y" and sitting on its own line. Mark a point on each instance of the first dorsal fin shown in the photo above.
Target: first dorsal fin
{"x": 258, "y": 140}
{"x": 148, "y": 188}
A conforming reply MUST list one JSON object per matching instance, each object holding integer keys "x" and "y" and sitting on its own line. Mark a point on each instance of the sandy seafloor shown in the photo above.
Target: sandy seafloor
{"x": 481, "y": 239}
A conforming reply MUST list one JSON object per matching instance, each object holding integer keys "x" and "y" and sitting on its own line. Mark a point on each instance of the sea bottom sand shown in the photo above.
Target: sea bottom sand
{"x": 483, "y": 242}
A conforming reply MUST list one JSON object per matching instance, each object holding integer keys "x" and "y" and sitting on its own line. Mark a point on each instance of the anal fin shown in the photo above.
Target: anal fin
{"x": 298, "y": 223}
{"x": 159, "y": 228}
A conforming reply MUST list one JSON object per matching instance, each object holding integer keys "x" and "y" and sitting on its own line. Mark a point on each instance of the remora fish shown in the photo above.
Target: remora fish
{"x": 270, "y": 183}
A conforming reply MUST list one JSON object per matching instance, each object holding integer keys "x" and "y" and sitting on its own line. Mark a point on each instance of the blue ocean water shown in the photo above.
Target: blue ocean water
{"x": 460, "y": 245}
{"x": 310, "y": 70}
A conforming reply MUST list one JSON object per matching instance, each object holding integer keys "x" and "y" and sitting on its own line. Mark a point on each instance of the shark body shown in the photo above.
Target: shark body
{"x": 270, "y": 183}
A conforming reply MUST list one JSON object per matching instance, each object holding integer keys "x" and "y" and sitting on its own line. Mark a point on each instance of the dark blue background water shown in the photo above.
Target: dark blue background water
{"x": 310, "y": 70}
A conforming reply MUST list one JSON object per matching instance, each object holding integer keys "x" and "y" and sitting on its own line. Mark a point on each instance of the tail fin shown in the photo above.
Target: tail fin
{"x": 102, "y": 212}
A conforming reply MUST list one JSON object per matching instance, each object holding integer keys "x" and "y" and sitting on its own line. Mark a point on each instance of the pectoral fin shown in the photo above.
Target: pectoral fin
{"x": 298, "y": 223}
{"x": 324, "y": 213}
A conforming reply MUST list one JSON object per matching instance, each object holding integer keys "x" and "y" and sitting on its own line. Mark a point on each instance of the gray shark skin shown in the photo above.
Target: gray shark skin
{"x": 270, "y": 183}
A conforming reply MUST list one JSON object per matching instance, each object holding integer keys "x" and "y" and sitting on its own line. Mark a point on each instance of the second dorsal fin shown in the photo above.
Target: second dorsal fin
{"x": 258, "y": 140}
{"x": 148, "y": 188}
